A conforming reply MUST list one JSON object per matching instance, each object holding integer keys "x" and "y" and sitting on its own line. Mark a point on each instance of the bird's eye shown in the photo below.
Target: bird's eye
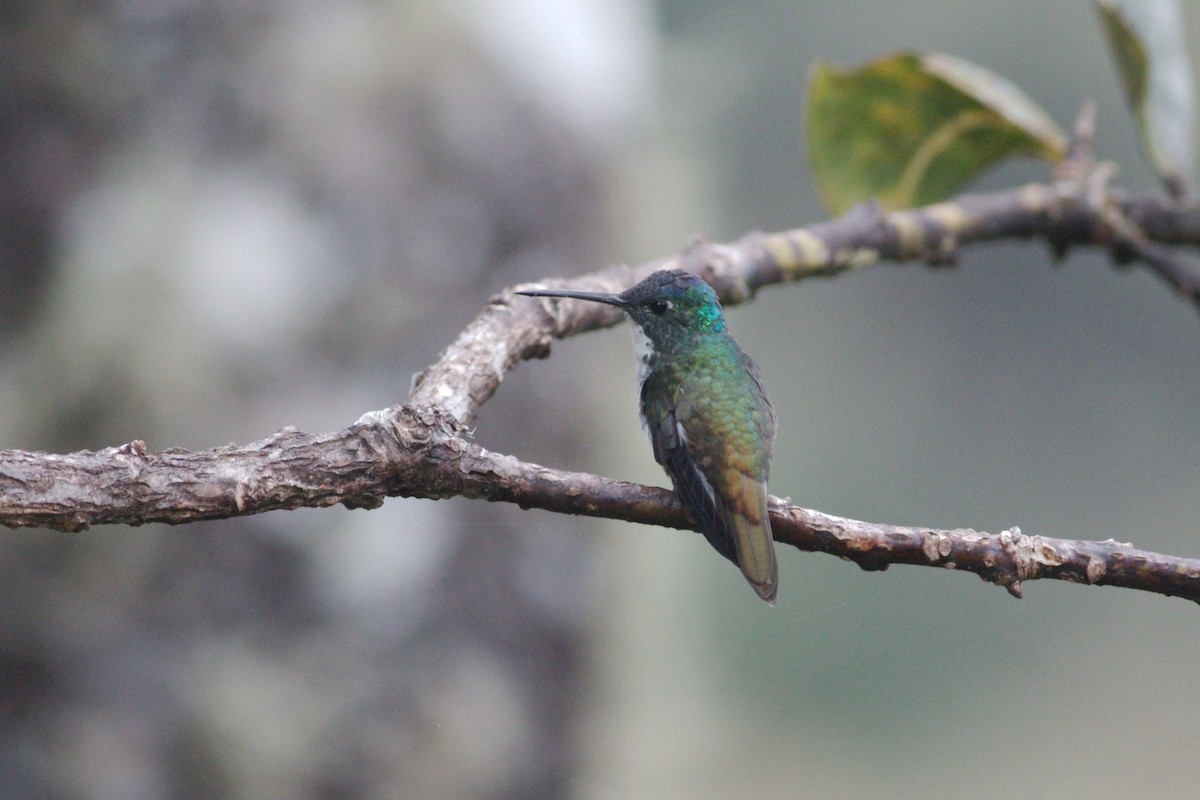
{"x": 660, "y": 307}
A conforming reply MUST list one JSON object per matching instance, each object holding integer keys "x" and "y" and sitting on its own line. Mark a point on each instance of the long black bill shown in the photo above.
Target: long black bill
{"x": 596, "y": 297}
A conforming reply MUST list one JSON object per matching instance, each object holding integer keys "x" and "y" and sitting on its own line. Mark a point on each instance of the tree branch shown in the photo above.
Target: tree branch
{"x": 422, "y": 448}
{"x": 411, "y": 452}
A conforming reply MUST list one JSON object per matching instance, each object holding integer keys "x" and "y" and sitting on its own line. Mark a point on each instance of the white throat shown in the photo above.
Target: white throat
{"x": 643, "y": 348}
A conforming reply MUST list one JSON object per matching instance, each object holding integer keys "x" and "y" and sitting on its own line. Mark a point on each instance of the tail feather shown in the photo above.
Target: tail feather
{"x": 750, "y": 527}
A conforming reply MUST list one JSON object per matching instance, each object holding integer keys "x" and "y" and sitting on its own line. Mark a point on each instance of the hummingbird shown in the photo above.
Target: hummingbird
{"x": 706, "y": 413}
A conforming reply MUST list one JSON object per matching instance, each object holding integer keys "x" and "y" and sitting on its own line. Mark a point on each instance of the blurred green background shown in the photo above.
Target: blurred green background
{"x": 223, "y": 218}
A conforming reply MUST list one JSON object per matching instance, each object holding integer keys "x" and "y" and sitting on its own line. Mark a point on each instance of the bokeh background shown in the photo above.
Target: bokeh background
{"x": 220, "y": 218}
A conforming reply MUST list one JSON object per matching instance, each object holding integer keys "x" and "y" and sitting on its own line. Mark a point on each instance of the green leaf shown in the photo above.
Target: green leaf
{"x": 913, "y": 129}
{"x": 1146, "y": 40}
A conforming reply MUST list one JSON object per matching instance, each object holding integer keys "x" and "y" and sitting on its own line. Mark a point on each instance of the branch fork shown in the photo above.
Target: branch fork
{"x": 422, "y": 448}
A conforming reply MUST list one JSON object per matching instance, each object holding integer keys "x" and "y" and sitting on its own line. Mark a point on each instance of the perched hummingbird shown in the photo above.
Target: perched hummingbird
{"x": 704, "y": 408}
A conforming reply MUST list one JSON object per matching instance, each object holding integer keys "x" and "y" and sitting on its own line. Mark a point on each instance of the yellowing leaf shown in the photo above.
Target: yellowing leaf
{"x": 913, "y": 129}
